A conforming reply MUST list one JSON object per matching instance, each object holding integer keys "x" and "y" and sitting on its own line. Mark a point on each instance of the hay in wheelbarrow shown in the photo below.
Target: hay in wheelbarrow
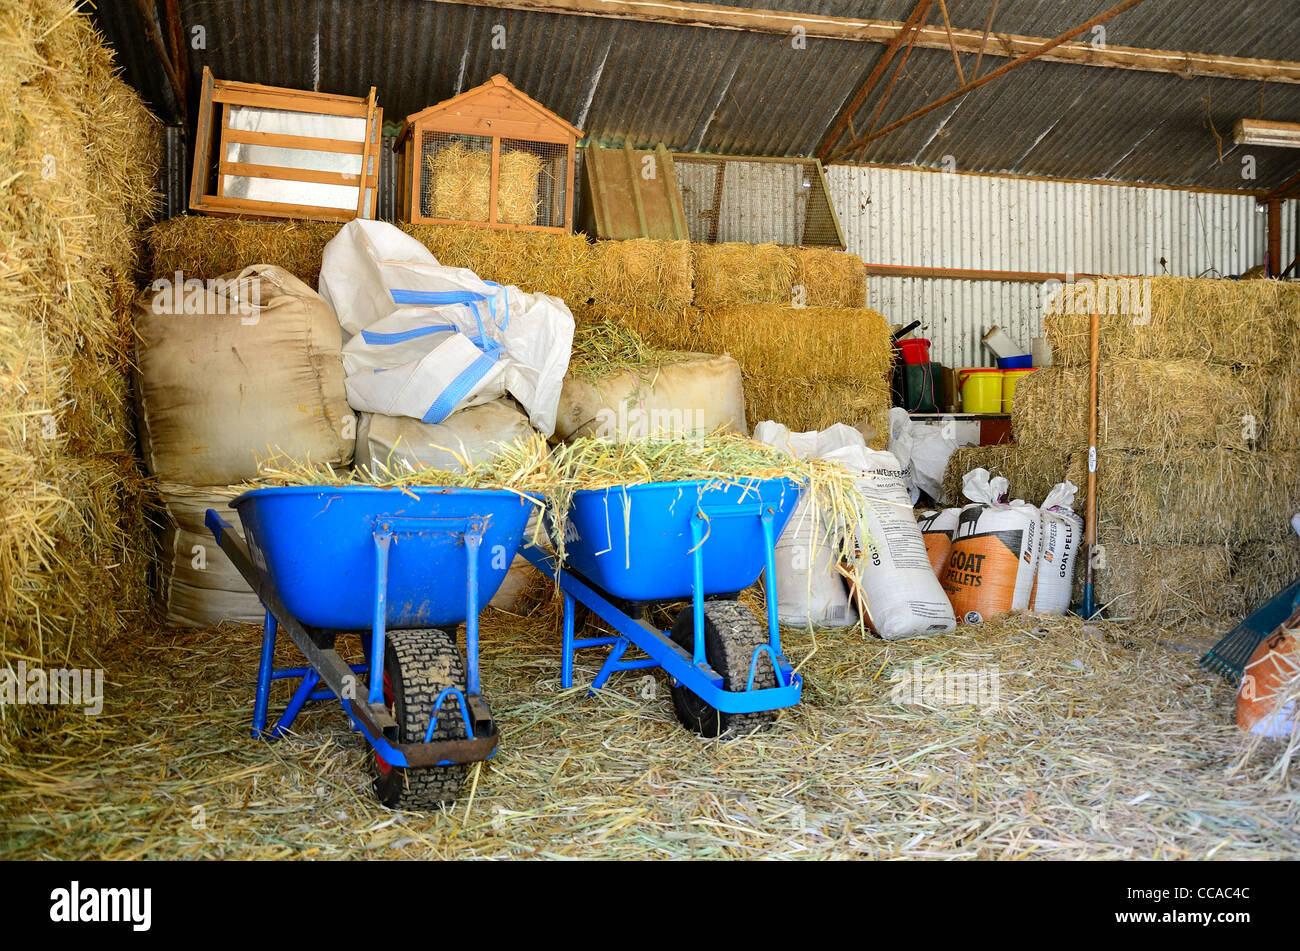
{"x": 1142, "y": 404}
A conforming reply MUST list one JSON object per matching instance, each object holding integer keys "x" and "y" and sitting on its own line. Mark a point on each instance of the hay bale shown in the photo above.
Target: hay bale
{"x": 459, "y": 185}
{"x": 1235, "y": 323}
{"x": 563, "y": 265}
{"x": 1263, "y": 568}
{"x": 1197, "y": 496}
{"x": 734, "y": 273}
{"x": 1171, "y": 586}
{"x": 1142, "y": 404}
{"x": 1281, "y": 386}
{"x": 206, "y": 248}
{"x": 644, "y": 273}
{"x": 81, "y": 156}
{"x": 829, "y": 278}
{"x": 1030, "y": 473}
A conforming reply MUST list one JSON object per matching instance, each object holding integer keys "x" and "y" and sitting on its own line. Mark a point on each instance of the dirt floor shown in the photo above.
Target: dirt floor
{"x": 1090, "y": 742}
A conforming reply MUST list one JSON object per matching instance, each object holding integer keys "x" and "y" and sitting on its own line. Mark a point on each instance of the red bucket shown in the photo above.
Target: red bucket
{"x": 915, "y": 350}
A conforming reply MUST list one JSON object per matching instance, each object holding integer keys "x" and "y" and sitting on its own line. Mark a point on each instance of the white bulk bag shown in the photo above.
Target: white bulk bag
{"x": 381, "y": 280}
{"x": 1062, "y": 532}
{"x": 995, "y": 551}
{"x": 472, "y": 435}
{"x": 922, "y": 451}
{"x": 810, "y": 590}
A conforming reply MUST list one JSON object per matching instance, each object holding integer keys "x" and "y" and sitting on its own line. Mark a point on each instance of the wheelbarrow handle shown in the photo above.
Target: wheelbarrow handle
{"x": 216, "y": 524}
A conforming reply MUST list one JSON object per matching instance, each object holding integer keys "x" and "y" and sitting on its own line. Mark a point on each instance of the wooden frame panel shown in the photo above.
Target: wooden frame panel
{"x": 214, "y": 130}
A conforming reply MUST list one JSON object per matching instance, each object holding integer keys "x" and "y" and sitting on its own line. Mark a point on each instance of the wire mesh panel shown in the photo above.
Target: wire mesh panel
{"x": 455, "y": 176}
{"x": 756, "y": 200}
{"x": 532, "y": 186}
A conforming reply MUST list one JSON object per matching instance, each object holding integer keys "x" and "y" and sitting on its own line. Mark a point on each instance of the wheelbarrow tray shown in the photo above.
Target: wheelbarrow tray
{"x": 635, "y": 541}
{"x": 317, "y": 547}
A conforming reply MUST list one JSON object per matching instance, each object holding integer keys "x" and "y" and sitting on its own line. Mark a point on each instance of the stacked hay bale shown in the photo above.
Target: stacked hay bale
{"x": 794, "y": 318}
{"x": 1197, "y": 478}
{"x": 81, "y": 156}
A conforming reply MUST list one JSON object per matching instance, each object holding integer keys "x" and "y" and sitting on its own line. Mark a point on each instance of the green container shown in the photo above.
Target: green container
{"x": 916, "y": 387}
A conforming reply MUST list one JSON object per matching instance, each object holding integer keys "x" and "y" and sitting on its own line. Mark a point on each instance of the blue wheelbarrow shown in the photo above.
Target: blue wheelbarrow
{"x": 403, "y": 567}
{"x": 631, "y": 547}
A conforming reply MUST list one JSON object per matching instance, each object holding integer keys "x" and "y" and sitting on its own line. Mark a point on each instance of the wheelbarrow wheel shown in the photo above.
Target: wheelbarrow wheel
{"x": 731, "y": 635}
{"x": 418, "y": 665}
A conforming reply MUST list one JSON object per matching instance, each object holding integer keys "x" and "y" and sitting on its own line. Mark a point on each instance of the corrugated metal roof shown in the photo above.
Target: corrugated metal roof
{"x": 744, "y": 93}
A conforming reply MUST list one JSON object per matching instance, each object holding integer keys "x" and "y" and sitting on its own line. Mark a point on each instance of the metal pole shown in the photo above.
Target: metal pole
{"x": 1090, "y": 525}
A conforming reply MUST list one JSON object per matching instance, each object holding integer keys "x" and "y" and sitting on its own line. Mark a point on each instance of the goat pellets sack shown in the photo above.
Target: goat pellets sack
{"x": 896, "y": 590}
{"x": 1263, "y": 706}
{"x": 809, "y": 589}
{"x": 936, "y": 531}
{"x": 1062, "y": 530}
{"x": 995, "y": 552}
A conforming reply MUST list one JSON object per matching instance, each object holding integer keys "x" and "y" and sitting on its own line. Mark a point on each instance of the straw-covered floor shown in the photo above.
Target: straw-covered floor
{"x": 168, "y": 770}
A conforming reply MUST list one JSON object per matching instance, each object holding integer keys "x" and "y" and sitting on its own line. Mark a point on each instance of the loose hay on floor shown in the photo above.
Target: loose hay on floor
{"x": 1103, "y": 745}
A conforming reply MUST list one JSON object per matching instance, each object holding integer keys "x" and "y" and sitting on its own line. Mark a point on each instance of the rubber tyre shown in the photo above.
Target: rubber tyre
{"x": 418, "y": 664}
{"x": 731, "y": 635}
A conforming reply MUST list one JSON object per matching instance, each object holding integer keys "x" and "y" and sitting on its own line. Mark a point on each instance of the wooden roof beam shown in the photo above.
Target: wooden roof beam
{"x": 1005, "y": 45}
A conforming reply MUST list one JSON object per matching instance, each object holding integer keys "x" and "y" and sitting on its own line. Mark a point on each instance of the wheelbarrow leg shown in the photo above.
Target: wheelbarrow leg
{"x": 611, "y": 663}
{"x": 769, "y": 586}
{"x": 300, "y": 696}
{"x": 382, "y": 540}
{"x": 473, "y": 536}
{"x": 566, "y": 658}
{"x": 263, "y": 698}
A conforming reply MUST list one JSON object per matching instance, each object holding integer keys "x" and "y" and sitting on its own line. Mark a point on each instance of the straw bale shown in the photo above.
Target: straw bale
{"x": 1142, "y": 404}
{"x": 1030, "y": 473}
{"x": 1281, "y": 384}
{"x": 205, "y": 248}
{"x": 1169, "y": 586}
{"x": 1193, "y": 496}
{"x": 829, "y": 278}
{"x": 1264, "y": 568}
{"x": 460, "y": 180}
{"x": 564, "y": 265}
{"x": 735, "y": 273}
{"x": 1214, "y": 321}
{"x": 644, "y": 273}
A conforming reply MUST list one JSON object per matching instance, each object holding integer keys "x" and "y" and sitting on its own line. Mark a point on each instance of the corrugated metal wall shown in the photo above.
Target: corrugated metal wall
{"x": 932, "y": 219}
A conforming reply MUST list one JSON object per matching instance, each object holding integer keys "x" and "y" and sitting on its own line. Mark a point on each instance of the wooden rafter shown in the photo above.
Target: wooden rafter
{"x": 1003, "y": 45}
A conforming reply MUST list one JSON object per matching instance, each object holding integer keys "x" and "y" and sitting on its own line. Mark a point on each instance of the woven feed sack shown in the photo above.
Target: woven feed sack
{"x": 809, "y": 589}
{"x": 699, "y": 394}
{"x": 247, "y": 371}
{"x": 936, "y": 531}
{"x": 995, "y": 552}
{"x": 1266, "y": 697}
{"x": 472, "y": 435}
{"x": 895, "y": 589}
{"x": 1062, "y": 534}
{"x": 200, "y": 587}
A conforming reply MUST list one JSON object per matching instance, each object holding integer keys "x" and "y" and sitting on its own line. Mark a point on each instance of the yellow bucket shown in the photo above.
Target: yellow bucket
{"x": 1009, "y": 380}
{"x": 981, "y": 390}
